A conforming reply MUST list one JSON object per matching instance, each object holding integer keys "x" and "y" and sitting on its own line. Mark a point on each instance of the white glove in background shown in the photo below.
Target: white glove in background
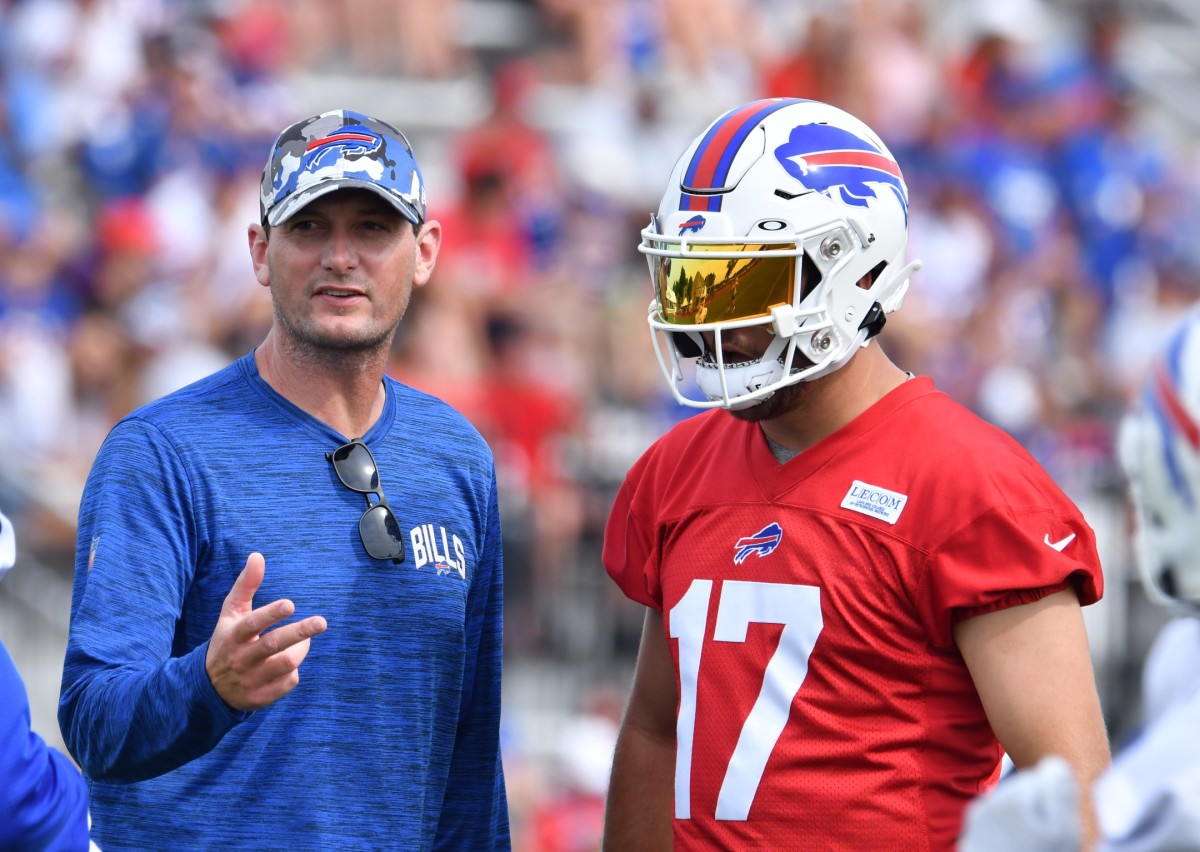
{"x": 1150, "y": 798}
{"x": 1033, "y": 810}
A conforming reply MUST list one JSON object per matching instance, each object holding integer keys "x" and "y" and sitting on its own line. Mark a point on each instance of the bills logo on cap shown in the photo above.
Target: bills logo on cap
{"x": 351, "y": 143}
{"x": 762, "y": 543}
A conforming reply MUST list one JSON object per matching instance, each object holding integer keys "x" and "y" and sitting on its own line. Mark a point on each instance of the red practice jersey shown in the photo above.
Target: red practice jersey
{"x": 810, "y": 608}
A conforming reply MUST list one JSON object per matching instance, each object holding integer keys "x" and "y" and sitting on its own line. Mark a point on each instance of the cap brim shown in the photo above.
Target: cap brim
{"x": 294, "y": 203}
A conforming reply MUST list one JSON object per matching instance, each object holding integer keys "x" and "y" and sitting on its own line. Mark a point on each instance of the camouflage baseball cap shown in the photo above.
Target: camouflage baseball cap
{"x": 338, "y": 150}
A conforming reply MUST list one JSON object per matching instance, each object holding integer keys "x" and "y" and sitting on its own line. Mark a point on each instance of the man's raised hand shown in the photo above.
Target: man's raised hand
{"x": 248, "y": 667}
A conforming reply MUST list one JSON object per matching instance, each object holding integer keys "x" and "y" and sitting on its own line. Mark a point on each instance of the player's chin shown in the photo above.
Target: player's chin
{"x": 777, "y": 404}
{"x": 756, "y": 413}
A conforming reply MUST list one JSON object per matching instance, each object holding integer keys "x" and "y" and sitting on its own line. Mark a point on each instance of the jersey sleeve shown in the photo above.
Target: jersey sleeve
{"x": 133, "y": 706}
{"x": 1006, "y": 557}
{"x": 629, "y": 549}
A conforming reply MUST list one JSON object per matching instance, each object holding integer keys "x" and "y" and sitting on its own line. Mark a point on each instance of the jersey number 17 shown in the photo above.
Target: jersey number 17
{"x": 798, "y": 609}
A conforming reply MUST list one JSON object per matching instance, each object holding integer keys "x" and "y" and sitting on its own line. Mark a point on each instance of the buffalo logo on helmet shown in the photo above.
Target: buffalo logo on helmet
{"x": 831, "y": 160}
{"x": 692, "y": 225}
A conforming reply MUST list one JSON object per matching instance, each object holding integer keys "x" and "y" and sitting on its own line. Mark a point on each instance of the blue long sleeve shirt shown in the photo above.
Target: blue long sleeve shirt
{"x": 391, "y": 738}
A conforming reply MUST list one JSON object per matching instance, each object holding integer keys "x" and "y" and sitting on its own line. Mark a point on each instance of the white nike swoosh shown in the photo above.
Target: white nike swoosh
{"x": 1059, "y": 545}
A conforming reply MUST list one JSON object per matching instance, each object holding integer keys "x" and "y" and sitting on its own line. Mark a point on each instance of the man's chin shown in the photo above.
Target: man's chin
{"x": 779, "y": 403}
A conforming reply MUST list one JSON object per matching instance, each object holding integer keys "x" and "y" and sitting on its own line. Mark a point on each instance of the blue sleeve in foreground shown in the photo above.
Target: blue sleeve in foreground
{"x": 43, "y": 798}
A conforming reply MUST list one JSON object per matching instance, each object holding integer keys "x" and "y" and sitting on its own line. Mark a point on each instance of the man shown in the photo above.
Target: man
{"x": 202, "y": 716}
{"x": 859, "y": 594}
{"x": 43, "y": 800}
{"x": 1150, "y": 798}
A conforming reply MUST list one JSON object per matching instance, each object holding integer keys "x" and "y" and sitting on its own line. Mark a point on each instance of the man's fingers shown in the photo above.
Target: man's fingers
{"x": 258, "y": 620}
{"x": 288, "y": 660}
{"x": 281, "y": 639}
{"x": 275, "y": 689}
{"x": 249, "y": 663}
{"x": 285, "y": 637}
{"x": 241, "y": 596}
{"x": 279, "y": 669}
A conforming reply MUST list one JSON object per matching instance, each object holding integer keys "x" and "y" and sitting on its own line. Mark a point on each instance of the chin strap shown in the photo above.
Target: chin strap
{"x": 874, "y": 320}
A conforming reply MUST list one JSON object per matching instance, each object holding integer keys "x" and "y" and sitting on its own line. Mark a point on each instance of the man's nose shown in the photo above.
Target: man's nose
{"x": 340, "y": 251}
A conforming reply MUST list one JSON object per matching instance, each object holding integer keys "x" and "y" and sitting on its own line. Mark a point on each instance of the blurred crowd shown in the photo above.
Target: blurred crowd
{"x": 1053, "y": 219}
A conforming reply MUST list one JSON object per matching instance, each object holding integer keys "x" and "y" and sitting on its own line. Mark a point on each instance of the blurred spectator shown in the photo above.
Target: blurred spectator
{"x": 815, "y": 66}
{"x": 900, "y": 76}
{"x": 507, "y": 222}
{"x": 1109, "y": 173}
{"x": 571, "y": 818}
{"x": 375, "y": 38}
{"x": 528, "y": 425}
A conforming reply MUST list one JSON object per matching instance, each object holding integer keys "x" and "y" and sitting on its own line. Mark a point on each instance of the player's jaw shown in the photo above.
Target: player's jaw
{"x": 744, "y": 345}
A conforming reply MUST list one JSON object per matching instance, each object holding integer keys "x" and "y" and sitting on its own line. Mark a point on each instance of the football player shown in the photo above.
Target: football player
{"x": 1150, "y": 798}
{"x": 859, "y": 595}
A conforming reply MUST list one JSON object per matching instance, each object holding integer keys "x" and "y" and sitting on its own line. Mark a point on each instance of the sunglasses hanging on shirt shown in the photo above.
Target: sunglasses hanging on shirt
{"x": 378, "y": 528}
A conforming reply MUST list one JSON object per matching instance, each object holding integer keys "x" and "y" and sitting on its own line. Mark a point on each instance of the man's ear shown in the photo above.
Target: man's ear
{"x": 257, "y": 238}
{"x": 429, "y": 242}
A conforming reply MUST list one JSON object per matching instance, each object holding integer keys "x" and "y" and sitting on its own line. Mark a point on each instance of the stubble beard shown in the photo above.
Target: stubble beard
{"x": 783, "y": 401}
{"x": 311, "y": 342}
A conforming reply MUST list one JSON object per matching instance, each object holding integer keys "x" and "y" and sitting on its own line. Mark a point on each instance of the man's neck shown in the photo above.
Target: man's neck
{"x": 831, "y": 402}
{"x": 348, "y": 395}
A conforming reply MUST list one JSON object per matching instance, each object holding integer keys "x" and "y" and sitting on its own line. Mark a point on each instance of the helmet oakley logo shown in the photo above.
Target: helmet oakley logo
{"x": 828, "y": 159}
{"x": 691, "y": 226}
{"x": 762, "y": 543}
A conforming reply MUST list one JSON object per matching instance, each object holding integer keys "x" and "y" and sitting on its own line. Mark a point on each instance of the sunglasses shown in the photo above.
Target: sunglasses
{"x": 378, "y": 527}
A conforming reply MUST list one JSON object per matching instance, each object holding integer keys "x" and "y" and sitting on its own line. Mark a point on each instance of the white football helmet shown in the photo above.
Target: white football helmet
{"x": 772, "y": 217}
{"x": 1159, "y": 450}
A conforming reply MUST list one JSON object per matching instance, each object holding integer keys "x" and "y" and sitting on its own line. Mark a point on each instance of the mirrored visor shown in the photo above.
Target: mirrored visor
{"x": 692, "y": 291}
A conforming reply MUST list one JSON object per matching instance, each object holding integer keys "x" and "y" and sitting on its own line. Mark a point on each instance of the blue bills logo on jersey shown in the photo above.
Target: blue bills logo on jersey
{"x": 437, "y": 547}
{"x": 762, "y": 543}
{"x": 831, "y": 160}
